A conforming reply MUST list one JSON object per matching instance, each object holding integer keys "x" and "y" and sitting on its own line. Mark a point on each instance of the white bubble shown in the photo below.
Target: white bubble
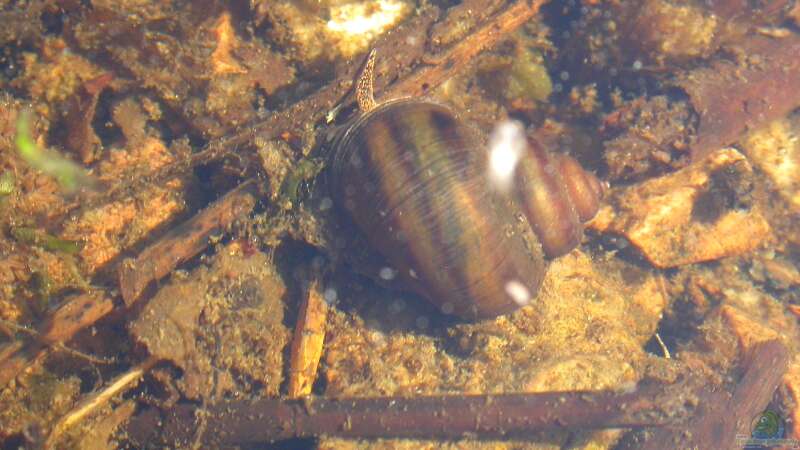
{"x": 398, "y": 305}
{"x": 413, "y": 274}
{"x": 448, "y": 308}
{"x": 422, "y": 322}
{"x": 387, "y": 273}
{"x": 507, "y": 144}
{"x": 325, "y": 204}
{"x": 518, "y": 292}
{"x": 330, "y": 295}
{"x": 637, "y": 65}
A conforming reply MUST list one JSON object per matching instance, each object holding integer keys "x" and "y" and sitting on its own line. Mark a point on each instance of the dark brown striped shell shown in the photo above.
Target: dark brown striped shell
{"x": 412, "y": 177}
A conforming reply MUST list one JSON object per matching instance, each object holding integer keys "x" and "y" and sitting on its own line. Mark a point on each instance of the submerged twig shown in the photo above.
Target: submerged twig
{"x": 307, "y": 343}
{"x": 724, "y": 416}
{"x": 693, "y": 412}
{"x": 455, "y": 59}
{"x": 97, "y": 399}
{"x": 431, "y": 417}
{"x": 60, "y": 346}
{"x": 185, "y": 241}
{"x": 75, "y": 314}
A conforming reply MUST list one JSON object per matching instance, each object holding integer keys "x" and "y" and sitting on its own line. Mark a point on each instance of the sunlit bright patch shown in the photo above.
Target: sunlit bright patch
{"x": 518, "y": 292}
{"x": 507, "y": 145}
{"x": 363, "y": 18}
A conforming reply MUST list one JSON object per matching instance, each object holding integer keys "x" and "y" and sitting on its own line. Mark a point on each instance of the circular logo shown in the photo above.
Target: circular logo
{"x": 768, "y": 425}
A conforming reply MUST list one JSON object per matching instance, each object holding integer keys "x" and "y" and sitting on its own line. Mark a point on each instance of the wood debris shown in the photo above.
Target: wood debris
{"x": 309, "y": 336}
{"x": 184, "y": 241}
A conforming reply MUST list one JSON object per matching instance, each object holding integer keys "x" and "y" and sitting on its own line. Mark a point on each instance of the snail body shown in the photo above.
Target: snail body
{"x": 413, "y": 178}
{"x": 408, "y": 174}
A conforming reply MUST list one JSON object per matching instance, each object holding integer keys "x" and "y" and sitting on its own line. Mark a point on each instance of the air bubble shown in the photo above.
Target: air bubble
{"x": 507, "y": 145}
{"x": 387, "y": 273}
{"x": 448, "y": 308}
{"x": 325, "y": 204}
{"x": 398, "y": 306}
{"x": 330, "y": 295}
{"x": 518, "y": 292}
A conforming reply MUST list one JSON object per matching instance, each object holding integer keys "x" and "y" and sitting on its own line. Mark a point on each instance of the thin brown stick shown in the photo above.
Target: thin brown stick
{"x": 690, "y": 413}
{"x": 75, "y": 313}
{"x": 93, "y": 401}
{"x": 428, "y": 417}
{"x": 453, "y": 61}
{"x": 185, "y": 241}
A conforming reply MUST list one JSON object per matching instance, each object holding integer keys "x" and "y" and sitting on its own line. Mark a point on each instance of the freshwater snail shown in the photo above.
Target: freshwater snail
{"x": 413, "y": 178}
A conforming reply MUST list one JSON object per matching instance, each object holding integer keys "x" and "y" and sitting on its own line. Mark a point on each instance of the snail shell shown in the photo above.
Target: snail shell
{"x": 412, "y": 177}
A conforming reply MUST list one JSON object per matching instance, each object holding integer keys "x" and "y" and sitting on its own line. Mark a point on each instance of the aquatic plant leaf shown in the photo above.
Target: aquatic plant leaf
{"x": 71, "y": 177}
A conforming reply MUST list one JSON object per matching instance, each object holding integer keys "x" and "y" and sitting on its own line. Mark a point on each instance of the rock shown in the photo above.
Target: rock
{"x": 222, "y": 325}
{"x": 700, "y": 213}
{"x": 775, "y": 149}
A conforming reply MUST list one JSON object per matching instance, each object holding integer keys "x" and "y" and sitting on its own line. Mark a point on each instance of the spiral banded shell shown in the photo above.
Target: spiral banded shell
{"x": 412, "y": 177}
